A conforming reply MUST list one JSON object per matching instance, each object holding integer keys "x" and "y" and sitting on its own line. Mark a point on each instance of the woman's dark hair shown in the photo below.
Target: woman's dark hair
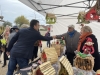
{"x": 33, "y": 22}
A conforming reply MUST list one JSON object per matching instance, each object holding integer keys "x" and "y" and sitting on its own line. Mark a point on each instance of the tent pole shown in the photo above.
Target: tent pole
{"x": 69, "y": 14}
{"x": 33, "y": 4}
{"x": 92, "y": 3}
{"x": 61, "y": 5}
{"x": 66, "y": 15}
{"x": 57, "y": 6}
{"x": 89, "y": 3}
{"x": 39, "y": 5}
{"x": 64, "y": 6}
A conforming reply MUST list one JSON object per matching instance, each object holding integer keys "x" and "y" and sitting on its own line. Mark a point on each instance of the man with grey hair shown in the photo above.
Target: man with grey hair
{"x": 71, "y": 39}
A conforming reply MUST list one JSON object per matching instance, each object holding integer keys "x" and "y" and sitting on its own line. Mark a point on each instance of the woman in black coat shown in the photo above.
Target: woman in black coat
{"x": 87, "y": 33}
{"x": 5, "y": 57}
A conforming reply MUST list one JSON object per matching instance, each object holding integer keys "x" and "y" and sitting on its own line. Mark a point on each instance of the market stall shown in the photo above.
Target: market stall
{"x": 60, "y": 14}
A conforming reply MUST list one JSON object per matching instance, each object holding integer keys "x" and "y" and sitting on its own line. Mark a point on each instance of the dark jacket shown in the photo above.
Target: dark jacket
{"x": 0, "y": 42}
{"x": 71, "y": 42}
{"x": 95, "y": 54}
{"x": 25, "y": 38}
{"x": 47, "y": 34}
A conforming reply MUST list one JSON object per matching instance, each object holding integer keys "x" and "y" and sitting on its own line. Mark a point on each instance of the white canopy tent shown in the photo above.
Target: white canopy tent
{"x": 66, "y": 12}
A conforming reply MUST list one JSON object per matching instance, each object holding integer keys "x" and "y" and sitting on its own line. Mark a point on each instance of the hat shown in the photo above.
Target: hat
{"x": 14, "y": 27}
{"x": 71, "y": 26}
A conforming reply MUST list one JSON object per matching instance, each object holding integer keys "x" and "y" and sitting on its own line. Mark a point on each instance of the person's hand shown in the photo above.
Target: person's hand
{"x": 76, "y": 51}
{"x": 54, "y": 37}
{"x": 8, "y": 53}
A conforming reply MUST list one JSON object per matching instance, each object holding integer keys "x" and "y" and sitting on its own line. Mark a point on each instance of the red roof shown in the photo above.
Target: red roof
{"x": 91, "y": 15}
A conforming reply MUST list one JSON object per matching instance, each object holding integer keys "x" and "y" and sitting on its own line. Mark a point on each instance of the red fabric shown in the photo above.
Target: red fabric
{"x": 88, "y": 49}
{"x": 40, "y": 43}
{"x": 57, "y": 42}
{"x": 44, "y": 56}
{"x": 82, "y": 38}
{"x": 38, "y": 72}
{"x": 94, "y": 15}
{"x": 89, "y": 39}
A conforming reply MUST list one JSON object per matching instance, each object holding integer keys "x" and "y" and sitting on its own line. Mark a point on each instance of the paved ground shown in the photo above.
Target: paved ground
{"x": 4, "y": 70}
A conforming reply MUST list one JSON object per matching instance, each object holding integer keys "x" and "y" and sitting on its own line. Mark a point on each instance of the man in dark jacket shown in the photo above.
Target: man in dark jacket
{"x": 22, "y": 50}
{"x": 71, "y": 40}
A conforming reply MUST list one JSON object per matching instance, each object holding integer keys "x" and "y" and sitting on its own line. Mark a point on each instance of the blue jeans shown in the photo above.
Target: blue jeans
{"x": 48, "y": 44}
{"x": 22, "y": 62}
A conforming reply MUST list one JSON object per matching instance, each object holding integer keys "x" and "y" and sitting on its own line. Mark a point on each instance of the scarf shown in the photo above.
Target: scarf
{"x": 71, "y": 33}
{"x": 3, "y": 41}
{"x": 82, "y": 38}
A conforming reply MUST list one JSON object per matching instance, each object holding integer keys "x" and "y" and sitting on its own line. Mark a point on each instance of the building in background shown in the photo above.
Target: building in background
{"x": 43, "y": 29}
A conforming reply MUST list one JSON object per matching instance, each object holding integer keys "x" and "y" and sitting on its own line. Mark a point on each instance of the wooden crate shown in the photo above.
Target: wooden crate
{"x": 49, "y": 54}
{"x": 65, "y": 68}
{"x": 45, "y": 69}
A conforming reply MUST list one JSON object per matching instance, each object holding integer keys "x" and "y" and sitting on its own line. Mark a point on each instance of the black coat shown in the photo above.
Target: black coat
{"x": 47, "y": 34}
{"x": 96, "y": 53}
{"x": 25, "y": 38}
{"x": 0, "y": 41}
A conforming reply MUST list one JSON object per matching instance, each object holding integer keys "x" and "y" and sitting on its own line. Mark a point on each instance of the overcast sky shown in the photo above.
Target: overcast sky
{"x": 13, "y": 8}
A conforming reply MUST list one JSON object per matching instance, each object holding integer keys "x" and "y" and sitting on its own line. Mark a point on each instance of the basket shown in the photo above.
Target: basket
{"x": 45, "y": 69}
{"x": 59, "y": 48}
{"x": 86, "y": 63}
{"x": 65, "y": 67}
{"x": 49, "y": 54}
